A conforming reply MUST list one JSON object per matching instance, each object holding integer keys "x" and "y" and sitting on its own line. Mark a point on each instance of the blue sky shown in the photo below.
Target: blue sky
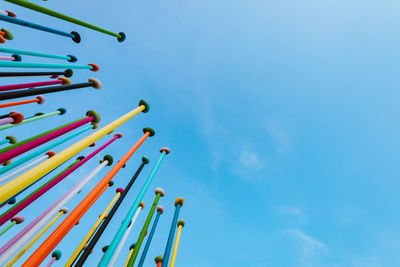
{"x": 282, "y": 118}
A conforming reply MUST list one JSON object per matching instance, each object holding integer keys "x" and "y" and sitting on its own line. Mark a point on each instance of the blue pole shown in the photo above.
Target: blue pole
{"x": 167, "y": 251}
{"x": 147, "y": 246}
{"x": 37, "y": 54}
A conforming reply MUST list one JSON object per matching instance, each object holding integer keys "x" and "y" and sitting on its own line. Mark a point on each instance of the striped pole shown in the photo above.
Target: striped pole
{"x": 128, "y": 218}
{"x": 17, "y": 64}
{"x": 160, "y": 211}
{"x": 63, "y": 210}
{"x": 38, "y": 116}
{"x": 73, "y": 35}
{"x": 11, "y": 58}
{"x": 54, "y": 257}
{"x": 39, "y": 99}
{"x": 126, "y": 234}
{"x": 69, "y": 58}
{"x": 61, "y": 80}
{"x": 107, "y": 220}
{"x": 5, "y": 35}
{"x": 50, "y": 89}
{"x": 159, "y": 193}
{"x": 9, "y": 140}
{"x": 12, "y": 246}
{"x": 48, "y": 155}
{"x": 178, "y": 205}
{"x": 94, "y": 228}
{"x": 159, "y": 260}
{"x": 121, "y": 36}
{"x": 53, "y": 74}
{"x": 93, "y": 116}
{"x": 14, "y": 220}
{"x": 131, "y": 248}
{"x": 181, "y": 224}
{"x": 38, "y": 194}
{"x": 40, "y": 254}
{"x": 13, "y": 118}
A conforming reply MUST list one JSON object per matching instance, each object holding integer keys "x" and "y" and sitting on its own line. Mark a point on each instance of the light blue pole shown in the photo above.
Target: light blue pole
{"x": 11, "y": 64}
{"x": 148, "y": 242}
{"x": 118, "y": 236}
{"x": 5, "y": 141}
{"x": 34, "y": 118}
{"x": 167, "y": 251}
{"x": 35, "y": 54}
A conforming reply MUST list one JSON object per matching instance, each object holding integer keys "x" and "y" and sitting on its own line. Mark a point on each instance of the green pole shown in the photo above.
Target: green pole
{"x": 8, "y": 227}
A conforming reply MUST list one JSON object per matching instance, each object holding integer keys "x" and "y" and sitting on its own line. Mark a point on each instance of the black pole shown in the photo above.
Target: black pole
{"x": 106, "y": 221}
{"x": 67, "y": 73}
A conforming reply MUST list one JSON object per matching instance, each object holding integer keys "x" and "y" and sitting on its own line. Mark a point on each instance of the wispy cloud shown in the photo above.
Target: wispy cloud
{"x": 282, "y": 139}
{"x": 293, "y": 212}
{"x": 249, "y": 159}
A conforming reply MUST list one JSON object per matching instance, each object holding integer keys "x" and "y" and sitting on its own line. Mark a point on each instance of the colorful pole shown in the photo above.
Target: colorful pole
{"x": 53, "y": 74}
{"x": 39, "y": 99}
{"x": 38, "y": 194}
{"x": 5, "y": 35}
{"x": 128, "y": 218}
{"x": 51, "y": 89}
{"x": 181, "y": 224}
{"x": 131, "y": 248}
{"x": 10, "y": 202}
{"x": 62, "y": 211}
{"x": 178, "y": 205}
{"x": 8, "y": 13}
{"x": 107, "y": 220}
{"x": 12, "y": 246}
{"x": 93, "y": 116}
{"x": 48, "y": 155}
{"x": 104, "y": 249}
{"x": 93, "y": 229}
{"x": 61, "y": 80}
{"x": 14, "y": 220}
{"x": 11, "y": 58}
{"x": 159, "y": 193}
{"x": 160, "y": 211}
{"x": 54, "y": 257}
{"x": 39, "y": 116}
{"x": 40, "y": 254}
{"x": 13, "y": 118}
{"x": 126, "y": 234}
{"x": 17, "y": 64}
{"x": 9, "y": 140}
{"x": 32, "y": 6}
{"x": 73, "y": 35}
{"x": 159, "y": 260}
{"x": 69, "y": 58}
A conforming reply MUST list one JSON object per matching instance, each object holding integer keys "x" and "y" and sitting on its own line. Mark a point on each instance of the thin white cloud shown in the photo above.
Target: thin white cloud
{"x": 249, "y": 159}
{"x": 293, "y": 212}
{"x": 282, "y": 139}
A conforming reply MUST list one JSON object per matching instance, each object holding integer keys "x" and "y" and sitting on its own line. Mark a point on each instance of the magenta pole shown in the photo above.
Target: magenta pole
{"x": 61, "y": 80}
{"x": 43, "y": 190}
{"x": 92, "y": 117}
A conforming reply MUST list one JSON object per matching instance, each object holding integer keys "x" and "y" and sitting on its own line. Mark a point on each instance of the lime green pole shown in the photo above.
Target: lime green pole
{"x": 24, "y": 3}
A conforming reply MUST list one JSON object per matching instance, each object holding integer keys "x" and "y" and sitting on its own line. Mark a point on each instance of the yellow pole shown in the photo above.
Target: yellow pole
{"x": 24, "y": 180}
{"x": 93, "y": 229}
{"x": 132, "y": 247}
{"x": 181, "y": 223}
{"x": 30, "y": 244}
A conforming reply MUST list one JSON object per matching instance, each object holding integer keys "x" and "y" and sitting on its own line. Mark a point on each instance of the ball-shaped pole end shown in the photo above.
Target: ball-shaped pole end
{"x": 64, "y": 210}
{"x": 145, "y": 104}
{"x": 109, "y": 158}
{"x": 160, "y": 209}
{"x": 7, "y": 34}
{"x": 118, "y": 135}
{"x": 56, "y": 254}
{"x": 11, "y": 14}
{"x": 181, "y": 222}
{"x": 145, "y": 160}
{"x": 8, "y": 162}
{"x": 72, "y": 58}
{"x": 122, "y": 37}
{"x": 110, "y": 183}
{"x": 40, "y": 99}
{"x": 65, "y": 81}
{"x": 76, "y": 38}
{"x": 18, "y": 219}
{"x": 95, "y": 125}
{"x": 77, "y": 223}
{"x": 12, "y": 201}
{"x": 80, "y": 158}
{"x": 95, "y": 115}
{"x": 150, "y": 130}
{"x": 179, "y": 200}
{"x": 132, "y": 246}
{"x": 92, "y": 145}
{"x": 119, "y": 190}
{"x": 17, "y": 57}
{"x": 160, "y": 191}
{"x": 96, "y": 84}
{"x": 68, "y": 73}
{"x": 39, "y": 114}
{"x": 12, "y": 139}
{"x": 104, "y": 249}
{"x": 159, "y": 258}
{"x": 165, "y": 149}
{"x": 50, "y": 153}
{"x": 62, "y": 111}
{"x": 18, "y": 117}
{"x": 141, "y": 204}
{"x": 2, "y": 40}
{"x": 94, "y": 67}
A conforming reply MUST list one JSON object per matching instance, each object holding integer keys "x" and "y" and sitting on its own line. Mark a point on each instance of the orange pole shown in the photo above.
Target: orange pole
{"x": 61, "y": 231}
{"x": 39, "y": 100}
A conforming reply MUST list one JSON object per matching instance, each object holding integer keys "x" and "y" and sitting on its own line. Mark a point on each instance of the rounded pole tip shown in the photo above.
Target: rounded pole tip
{"x": 141, "y": 204}
{"x": 119, "y": 190}
{"x": 159, "y": 258}
{"x": 40, "y": 99}
{"x": 50, "y": 153}
{"x": 122, "y": 37}
{"x": 95, "y": 125}
{"x": 7, "y": 34}
{"x": 11, "y": 14}
{"x": 12, "y": 201}
{"x": 12, "y": 139}
{"x": 96, "y": 84}
{"x": 80, "y": 158}
{"x": 145, "y": 104}
{"x": 18, "y": 219}
{"x": 119, "y": 135}
{"x": 65, "y": 80}
{"x": 76, "y": 38}
{"x": 160, "y": 209}
{"x": 72, "y": 58}
{"x": 95, "y": 115}
{"x": 160, "y": 191}
{"x": 77, "y": 223}
{"x": 62, "y": 111}
{"x": 68, "y": 73}
{"x": 92, "y": 145}
{"x": 56, "y": 254}
{"x": 104, "y": 249}
{"x": 64, "y": 210}
{"x": 179, "y": 200}
{"x": 8, "y": 162}
{"x": 39, "y": 114}
{"x": 145, "y": 160}
{"x": 181, "y": 222}
{"x": 165, "y": 149}
{"x": 94, "y": 67}
{"x": 132, "y": 246}
{"x": 110, "y": 183}
{"x": 150, "y": 130}
{"x": 17, "y": 57}
{"x": 109, "y": 158}
{"x": 18, "y": 117}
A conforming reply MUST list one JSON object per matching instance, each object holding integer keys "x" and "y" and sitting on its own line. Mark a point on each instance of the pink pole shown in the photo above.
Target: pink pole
{"x": 7, "y": 58}
{"x": 6, "y": 121}
{"x": 13, "y": 118}
{"x": 37, "y": 142}
{"x": 43, "y": 190}
{"x": 61, "y": 80}
{"x": 51, "y": 262}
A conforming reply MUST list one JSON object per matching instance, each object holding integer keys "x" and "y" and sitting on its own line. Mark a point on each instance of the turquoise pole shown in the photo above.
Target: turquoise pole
{"x": 34, "y": 118}
{"x": 5, "y": 141}
{"x": 19, "y": 64}
{"x": 36, "y": 54}
{"x": 167, "y": 251}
